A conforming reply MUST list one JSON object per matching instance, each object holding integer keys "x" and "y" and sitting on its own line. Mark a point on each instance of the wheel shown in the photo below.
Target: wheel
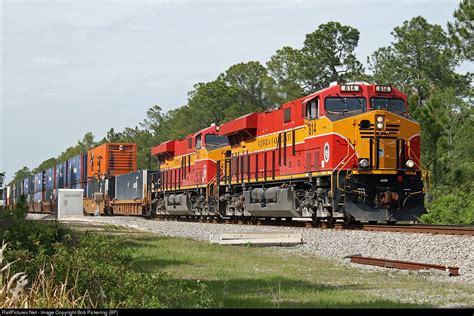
{"x": 330, "y": 220}
{"x": 348, "y": 219}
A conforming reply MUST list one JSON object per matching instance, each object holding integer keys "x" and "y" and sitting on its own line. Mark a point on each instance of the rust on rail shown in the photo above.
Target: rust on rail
{"x": 407, "y": 265}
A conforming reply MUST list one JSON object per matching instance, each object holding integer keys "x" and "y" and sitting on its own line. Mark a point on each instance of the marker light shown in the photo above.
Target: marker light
{"x": 410, "y": 163}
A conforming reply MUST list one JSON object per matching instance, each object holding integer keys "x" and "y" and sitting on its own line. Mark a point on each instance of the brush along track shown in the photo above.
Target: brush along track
{"x": 400, "y": 228}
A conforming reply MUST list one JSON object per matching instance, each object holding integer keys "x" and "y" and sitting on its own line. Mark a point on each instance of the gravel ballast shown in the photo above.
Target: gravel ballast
{"x": 334, "y": 244}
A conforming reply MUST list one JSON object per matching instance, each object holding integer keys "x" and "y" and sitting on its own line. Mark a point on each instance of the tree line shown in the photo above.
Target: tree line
{"x": 422, "y": 60}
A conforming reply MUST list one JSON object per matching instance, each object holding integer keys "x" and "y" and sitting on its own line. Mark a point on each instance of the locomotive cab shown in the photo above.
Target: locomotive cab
{"x": 380, "y": 178}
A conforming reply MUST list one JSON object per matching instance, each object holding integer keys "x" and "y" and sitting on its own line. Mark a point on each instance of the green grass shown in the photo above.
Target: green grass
{"x": 254, "y": 277}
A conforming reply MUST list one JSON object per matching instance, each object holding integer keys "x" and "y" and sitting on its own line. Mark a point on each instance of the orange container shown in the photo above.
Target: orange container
{"x": 111, "y": 159}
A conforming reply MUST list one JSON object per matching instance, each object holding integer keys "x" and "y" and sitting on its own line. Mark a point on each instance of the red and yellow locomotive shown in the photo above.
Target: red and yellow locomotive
{"x": 348, "y": 152}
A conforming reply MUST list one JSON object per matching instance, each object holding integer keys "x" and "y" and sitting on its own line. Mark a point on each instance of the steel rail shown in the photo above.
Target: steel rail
{"x": 406, "y": 265}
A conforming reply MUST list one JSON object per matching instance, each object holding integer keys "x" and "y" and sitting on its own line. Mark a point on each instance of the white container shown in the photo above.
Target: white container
{"x": 70, "y": 202}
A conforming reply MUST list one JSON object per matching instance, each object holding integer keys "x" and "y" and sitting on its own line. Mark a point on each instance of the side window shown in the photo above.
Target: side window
{"x": 190, "y": 143}
{"x": 198, "y": 141}
{"x": 287, "y": 115}
{"x": 312, "y": 109}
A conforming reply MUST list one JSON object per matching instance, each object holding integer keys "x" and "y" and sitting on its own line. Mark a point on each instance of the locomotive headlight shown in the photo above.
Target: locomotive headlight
{"x": 363, "y": 163}
{"x": 410, "y": 163}
{"x": 379, "y": 120}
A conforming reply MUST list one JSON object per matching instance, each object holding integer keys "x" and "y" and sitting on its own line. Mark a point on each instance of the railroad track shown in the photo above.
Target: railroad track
{"x": 400, "y": 228}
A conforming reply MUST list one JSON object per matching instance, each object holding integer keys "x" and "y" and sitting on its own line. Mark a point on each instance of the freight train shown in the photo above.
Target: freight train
{"x": 349, "y": 152}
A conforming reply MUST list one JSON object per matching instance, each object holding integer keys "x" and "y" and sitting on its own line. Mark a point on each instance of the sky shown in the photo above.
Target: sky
{"x": 73, "y": 66}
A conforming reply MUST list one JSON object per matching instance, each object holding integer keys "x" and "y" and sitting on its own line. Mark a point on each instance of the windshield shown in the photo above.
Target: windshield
{"x": 389, "y": 104}
{"x": 215, "y": 141}
{"x": 340, "y": 107}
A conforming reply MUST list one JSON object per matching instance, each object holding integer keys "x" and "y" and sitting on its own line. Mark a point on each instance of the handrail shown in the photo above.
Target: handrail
{"x": 338, "y": 172}
{"x": 425, "y": 173}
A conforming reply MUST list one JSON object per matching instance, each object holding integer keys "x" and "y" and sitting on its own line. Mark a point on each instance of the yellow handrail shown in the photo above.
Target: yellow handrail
{"x": 425, "y": 173}
{"x": 355, "y": 153}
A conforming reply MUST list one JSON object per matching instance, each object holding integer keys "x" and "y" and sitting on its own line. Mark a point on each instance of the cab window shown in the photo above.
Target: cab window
{"x": 312, "y": 109}
{"x": 287, "y": 115}
{"x": 337, "y": 108}
{"x": 198, "y": 141}
{"x": 215, "y": 141}
{"x": 389, "y": 104}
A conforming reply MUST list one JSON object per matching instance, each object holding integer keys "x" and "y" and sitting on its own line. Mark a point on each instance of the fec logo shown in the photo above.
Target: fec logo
{"x": 326, "y": 152}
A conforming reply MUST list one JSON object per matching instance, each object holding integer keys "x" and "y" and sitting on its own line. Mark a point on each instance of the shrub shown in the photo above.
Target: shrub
{"x": 43, "y": 292}
{"x": 455, "y": 207}
{"x": 85, "y": 270}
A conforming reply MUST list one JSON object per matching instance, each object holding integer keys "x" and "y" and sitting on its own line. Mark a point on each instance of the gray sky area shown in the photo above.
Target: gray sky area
{"x": 69, "y": 67}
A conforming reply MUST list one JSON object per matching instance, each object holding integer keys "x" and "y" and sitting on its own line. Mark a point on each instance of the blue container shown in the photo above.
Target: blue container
{"x": 60, "y": 181}
{"x": 31, "y": 184}
{"x": 26, "y": 186}
{"x": 38, "y": 182}
{"x": 76, "y": 170}
{"x": 38, "y": 197}
{"x": 49, "y": 179}
{"x": 73, "y": 170}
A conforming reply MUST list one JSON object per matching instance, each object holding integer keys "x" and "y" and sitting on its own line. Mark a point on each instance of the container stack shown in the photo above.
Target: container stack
{"x": 76, "y": 172}
{"x": 48, "y": 197}
{"x": 38, "y": 192}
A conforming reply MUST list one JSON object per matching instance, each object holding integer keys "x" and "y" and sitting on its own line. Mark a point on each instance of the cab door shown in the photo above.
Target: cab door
{"x": 312, "y": 148}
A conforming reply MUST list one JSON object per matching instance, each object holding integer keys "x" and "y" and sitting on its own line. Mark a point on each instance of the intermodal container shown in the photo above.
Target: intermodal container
{"x": 60, "y": 180}
{"x": 26, "y": 186}
{"x": 131, "y": 186}
{"x": 49, "y": 179}
{"x": 38, "y": 197}
{"x": 76, "y": 170}
{"x": 106, "y": 186}
{"x": 26, "y": 189}
{"x": 48, "y": 195}
{"x": 112, "y": 159}
{"x": 38, "y": 187}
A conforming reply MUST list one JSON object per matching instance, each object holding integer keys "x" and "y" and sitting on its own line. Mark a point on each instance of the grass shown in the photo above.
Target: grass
{"x": 254, "y": 277}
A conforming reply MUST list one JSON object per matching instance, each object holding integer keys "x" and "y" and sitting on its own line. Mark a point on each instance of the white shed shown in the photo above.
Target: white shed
{"x": 70, "y": 202}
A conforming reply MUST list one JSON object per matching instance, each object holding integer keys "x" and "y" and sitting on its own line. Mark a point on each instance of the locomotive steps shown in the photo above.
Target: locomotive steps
{"x": 258, "y": 239}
